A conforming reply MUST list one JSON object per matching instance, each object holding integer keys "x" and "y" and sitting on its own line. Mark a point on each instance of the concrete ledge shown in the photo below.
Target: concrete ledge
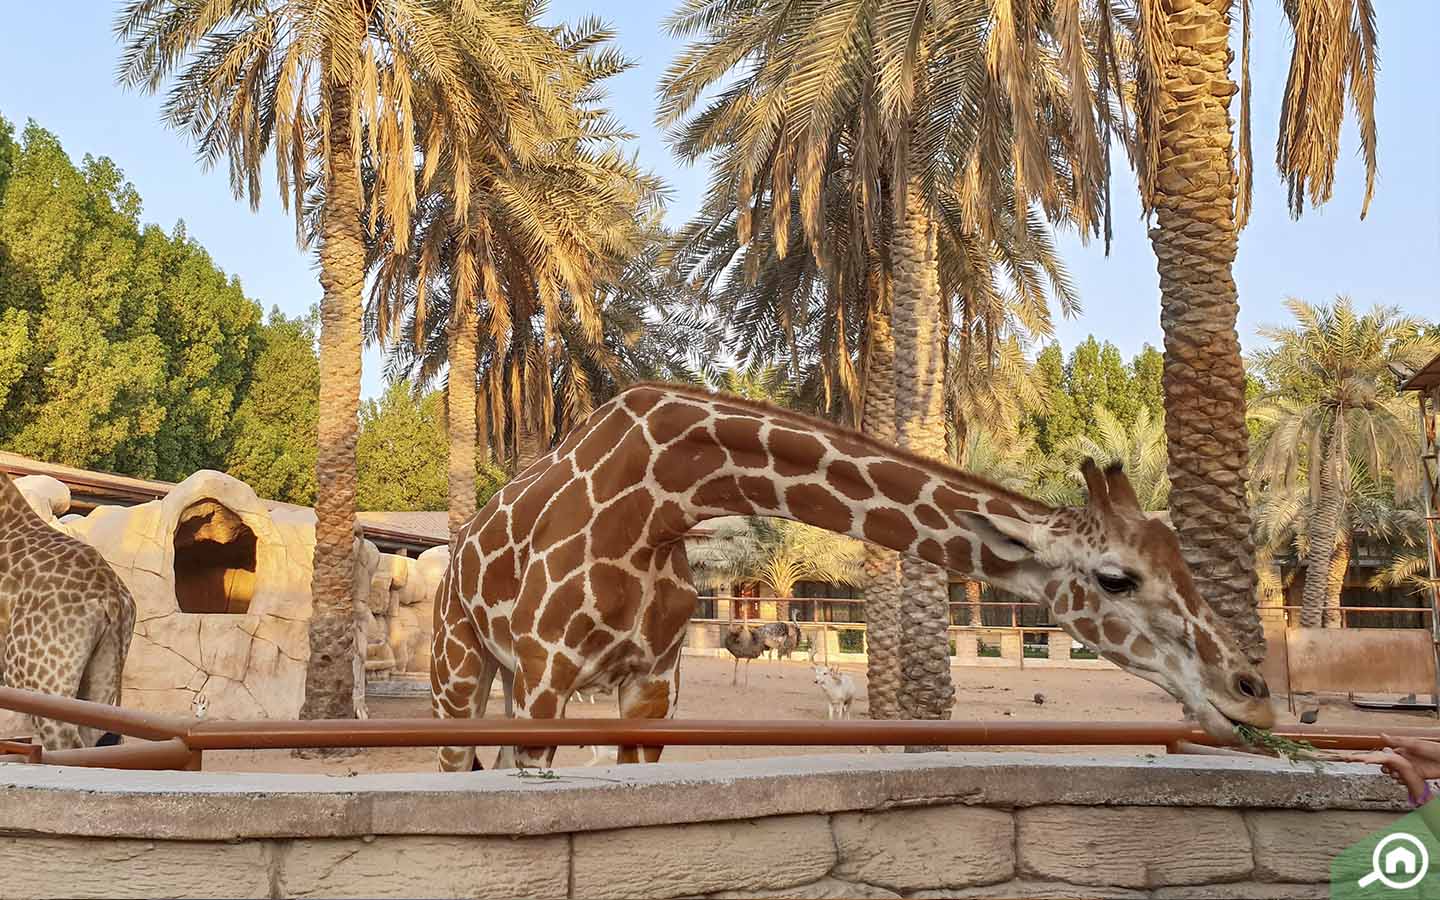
{"x": 227, "y": 806}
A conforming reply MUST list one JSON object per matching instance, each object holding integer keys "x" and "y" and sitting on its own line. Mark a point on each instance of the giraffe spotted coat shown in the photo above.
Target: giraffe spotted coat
{"x": 66, "y": 618}
{"x": 575, "y": 576}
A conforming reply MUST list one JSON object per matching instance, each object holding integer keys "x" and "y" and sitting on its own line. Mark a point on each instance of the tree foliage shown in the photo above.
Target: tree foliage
{"x": 122, "y": 348}
{"x": 275, "y": 425}
{"x": 1094, "y": 377}
{"x": 401, "y": 453}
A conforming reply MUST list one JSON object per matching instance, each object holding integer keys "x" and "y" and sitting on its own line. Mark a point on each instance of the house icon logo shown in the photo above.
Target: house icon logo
{"x": 1399, "y": 861}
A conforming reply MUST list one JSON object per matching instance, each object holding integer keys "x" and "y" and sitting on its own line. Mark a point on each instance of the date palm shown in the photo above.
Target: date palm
{"x": 1332, "y": 402}
{"x": 1138, "y": 445}
{"x": 1198, "y": 193}
{"x": 312, "y": 84}
{"x": 812, "y": 144}
{"x": 1283, "y": 517}
{"x": 559, "y": 319}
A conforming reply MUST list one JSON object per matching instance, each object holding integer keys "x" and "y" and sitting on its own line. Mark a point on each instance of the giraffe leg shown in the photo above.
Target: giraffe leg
{"x": 464, "y": 696}
{"x": 100, "y": 680}
{"x": 505, "y": 757}
{"x": 41, "y": 658}
{"x": 542, "y": 690}
{"x": 646, "y": 697}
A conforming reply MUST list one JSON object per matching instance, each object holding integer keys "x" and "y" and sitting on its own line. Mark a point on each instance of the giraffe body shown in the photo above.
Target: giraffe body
{"x": 66, "y": 618}
{"x": 574, "y": 576}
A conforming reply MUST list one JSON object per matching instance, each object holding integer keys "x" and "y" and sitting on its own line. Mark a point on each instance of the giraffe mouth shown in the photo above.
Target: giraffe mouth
{"x": 1223, "y": 725}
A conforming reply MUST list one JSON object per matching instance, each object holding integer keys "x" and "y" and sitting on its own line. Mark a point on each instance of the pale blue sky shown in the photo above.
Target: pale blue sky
{"x": 57, "y": 60}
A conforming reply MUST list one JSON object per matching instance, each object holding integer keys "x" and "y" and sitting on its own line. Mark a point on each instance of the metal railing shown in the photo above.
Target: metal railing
{"x": 172, "y": 742}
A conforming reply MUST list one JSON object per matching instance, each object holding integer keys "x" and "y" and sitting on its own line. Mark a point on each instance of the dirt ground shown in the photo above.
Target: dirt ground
{"x": 786, "y": 690}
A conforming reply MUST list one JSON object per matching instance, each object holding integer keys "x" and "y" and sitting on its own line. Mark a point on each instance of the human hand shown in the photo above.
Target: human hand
{"x": 1423, "y": 755}
{"x": 1393, "y": 764}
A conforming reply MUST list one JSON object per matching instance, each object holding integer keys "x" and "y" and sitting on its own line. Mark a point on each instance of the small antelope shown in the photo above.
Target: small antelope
{"x": 199, "y": 706}
{"x": 839, "y": 689}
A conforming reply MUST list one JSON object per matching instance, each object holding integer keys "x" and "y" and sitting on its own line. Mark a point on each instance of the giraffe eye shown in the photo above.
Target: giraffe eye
{"x": 1116, "y": 583}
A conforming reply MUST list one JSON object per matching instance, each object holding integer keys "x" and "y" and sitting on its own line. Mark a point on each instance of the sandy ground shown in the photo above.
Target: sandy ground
{"x": 786, "y": 690}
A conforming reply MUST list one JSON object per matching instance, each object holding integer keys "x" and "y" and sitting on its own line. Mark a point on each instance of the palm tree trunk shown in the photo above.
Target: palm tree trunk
{"x": 330, "y": 673}
{"x": 972, "y": 600}
{"x": 461, "y": 417}
{"x": 1339, "y": 566}
{"x": 925, "y": 688}
{"x": 1204, "y": 377}
{"x": 528, "y": 448}
{"x": 1324, "y": 527}
{"x": 881, "y": 586}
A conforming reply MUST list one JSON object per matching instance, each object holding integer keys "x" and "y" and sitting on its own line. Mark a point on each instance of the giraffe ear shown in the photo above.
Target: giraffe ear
{"x": 998, "y": 531}
{"x": 1096, "y": 485}
{"x": 1122, "y": 494}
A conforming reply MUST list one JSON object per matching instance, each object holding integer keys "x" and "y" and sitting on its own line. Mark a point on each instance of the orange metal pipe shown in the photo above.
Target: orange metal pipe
{"x": 129, "y": 722}
{"x": 153, "y": 755}
{"x": 274, "y": 734}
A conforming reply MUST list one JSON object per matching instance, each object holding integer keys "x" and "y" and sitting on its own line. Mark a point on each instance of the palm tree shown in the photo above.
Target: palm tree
{"x": 537, "y": 233}
{"x": 1332, "y": 402}
{"x": 775, "y": 554}
{"x": 315, "y": 83}
{"x": 1199, "y": 195}
{"x": 1283, "y": 517}
{"x": 792, "y": 552}
{"x": 1139, "y": 446}
{"x": 915, "y": 106}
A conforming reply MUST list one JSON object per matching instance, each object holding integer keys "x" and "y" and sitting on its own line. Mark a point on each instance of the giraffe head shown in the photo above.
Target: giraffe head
{"x": 1114, "y": 578}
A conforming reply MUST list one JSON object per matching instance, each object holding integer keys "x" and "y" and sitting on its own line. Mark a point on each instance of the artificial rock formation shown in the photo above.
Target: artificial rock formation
{"x": 221, "y": 582}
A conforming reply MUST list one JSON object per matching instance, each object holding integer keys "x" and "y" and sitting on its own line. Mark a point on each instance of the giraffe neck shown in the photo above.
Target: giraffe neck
{"x": 775, "y": 463}
{"x": 15, "y": 511}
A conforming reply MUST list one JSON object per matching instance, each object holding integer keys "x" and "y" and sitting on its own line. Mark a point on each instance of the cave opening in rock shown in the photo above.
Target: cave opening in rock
{"x": 214, "y": 560}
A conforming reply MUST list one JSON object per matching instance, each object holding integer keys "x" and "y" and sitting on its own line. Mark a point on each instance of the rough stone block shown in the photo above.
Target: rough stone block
{"x": 1133, "y": 847}
{"x": 912, "y": 849}
{"x": 88, "y": 867}
{"x": 1298, "y": 845}
{"x": 153, "y": 666}
{"x": 679, "y": 860}
{"x": 823, "y": 889}
{"x": 1245, "y": 890}
{"x": 225, "y": 644}
{"x": 1033, "y": 890}
{"x": 426, "y": 867}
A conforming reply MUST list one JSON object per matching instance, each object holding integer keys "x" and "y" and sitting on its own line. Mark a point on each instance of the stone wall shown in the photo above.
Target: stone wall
{"x": 874, "y": 825}
{"x": 249, "y": 662}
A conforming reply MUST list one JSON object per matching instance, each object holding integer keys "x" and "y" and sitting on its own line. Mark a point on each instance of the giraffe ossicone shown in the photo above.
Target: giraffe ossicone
{"x": 574, "y": 576}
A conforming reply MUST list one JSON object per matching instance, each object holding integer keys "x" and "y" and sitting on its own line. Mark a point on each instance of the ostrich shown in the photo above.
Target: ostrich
{"x": 743, "y": 643}
{"x": 781, "y": 637}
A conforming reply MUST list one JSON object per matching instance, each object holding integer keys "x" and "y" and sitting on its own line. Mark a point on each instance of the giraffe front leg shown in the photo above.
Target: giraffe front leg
{"x": 543, "y": 685}
{"x": 646, "y": 697}
{"x": 460, "y": 689}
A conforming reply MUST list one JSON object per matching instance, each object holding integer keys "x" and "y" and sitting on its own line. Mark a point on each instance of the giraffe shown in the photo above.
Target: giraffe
{"x": 575, "y": 574}
{"x": 66, "y": 618}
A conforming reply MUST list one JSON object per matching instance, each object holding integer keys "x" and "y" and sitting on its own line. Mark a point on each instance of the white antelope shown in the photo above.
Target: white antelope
{"x": 839, "y": 689}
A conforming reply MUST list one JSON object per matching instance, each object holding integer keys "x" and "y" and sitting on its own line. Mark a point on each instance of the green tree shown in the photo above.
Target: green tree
{"x": 1094, "y": 377}
{"x": 121, "y": 347}
{"x": 1332, "y": 402}
{"x": 400, "y": 454}
{"x": 272, "y": 445}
